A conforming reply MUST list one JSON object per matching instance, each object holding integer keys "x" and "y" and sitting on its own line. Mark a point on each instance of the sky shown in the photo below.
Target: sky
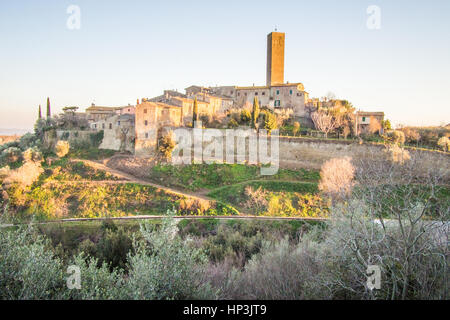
{"x": 125, "y": 50}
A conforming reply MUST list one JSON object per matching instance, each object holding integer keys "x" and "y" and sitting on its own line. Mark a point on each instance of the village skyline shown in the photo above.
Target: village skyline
{"x": 401, "y": 68}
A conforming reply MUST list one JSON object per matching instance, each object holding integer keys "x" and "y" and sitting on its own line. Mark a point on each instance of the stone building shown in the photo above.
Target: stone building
{"x": 150, "y": 118}
{"x": 275, "y": 94}
{"x": 118, "y": 132}
{"x": 96, "y": 113}
{"x": 369, "y": 122}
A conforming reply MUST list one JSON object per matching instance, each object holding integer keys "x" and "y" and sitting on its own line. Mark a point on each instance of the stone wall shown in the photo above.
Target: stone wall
{"x": 295, "y": 152}
{"x": 75, "y": 137}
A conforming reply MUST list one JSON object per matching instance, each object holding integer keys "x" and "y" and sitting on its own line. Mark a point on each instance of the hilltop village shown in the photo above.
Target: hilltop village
{"x": 135, "y": 128}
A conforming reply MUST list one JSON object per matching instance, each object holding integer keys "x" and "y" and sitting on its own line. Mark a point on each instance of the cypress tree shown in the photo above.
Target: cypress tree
{"x": 40, "y": 112}
{"x": 48, "y": 108}
{"x": 195, "y": 113}
{"x": 255, "y": 112}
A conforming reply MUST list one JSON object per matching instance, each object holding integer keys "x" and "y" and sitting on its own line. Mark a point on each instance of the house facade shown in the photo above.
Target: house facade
{"x": 150, "y": 118}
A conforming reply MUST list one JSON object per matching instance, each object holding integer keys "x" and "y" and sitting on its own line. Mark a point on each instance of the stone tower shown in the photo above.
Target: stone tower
{"x": 275, "y": 58}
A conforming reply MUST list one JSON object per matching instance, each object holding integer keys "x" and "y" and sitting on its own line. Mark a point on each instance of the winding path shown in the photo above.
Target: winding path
{"x": 128, "y": 178}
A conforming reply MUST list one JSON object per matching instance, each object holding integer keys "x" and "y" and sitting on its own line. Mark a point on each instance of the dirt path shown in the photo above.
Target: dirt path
{"x": 128, "y": 178}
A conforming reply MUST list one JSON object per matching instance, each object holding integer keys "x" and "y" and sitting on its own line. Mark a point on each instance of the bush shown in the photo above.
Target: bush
{"x": 33, "y": 155}
{"x": 28, "y": 270}
{"x": 296, "y": 128}
{"x": 11, "y": 155}
{"x": 270, "y": 121}
{"x": 411, "y": 135}
{"x": 281, "y": 272}
{"x": 396, "y": 136}
{"x": 232, "y": 124}
{"x": 337, "y": 177}
{"x": 113, "y": 247}
{"x": 444, "y": 143}
{"x": 62, "y": 148}
{"x": 397, "y": 154}
{"x": 167, "y": 267}
{"x": 166, "y": 144}
{"x": 245, "y": 116}
{"x": 97, "y": 282}
{"x": 25, "y": 175}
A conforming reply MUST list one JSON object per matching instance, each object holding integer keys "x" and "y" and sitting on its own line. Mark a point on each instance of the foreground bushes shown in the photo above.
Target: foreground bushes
{"x": 328, "y": 263}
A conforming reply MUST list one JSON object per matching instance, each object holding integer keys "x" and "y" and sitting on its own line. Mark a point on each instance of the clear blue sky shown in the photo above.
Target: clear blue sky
{"x": 132, "y": 49}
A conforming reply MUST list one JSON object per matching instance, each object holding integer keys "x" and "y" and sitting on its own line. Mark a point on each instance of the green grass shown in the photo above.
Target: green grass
{"x": 275, "y": 198}
{"x": 203, "y": 176}
{"x": 235, "y": 194}
{"x": 54, "y": 200}
{"x": 67, "y": 170}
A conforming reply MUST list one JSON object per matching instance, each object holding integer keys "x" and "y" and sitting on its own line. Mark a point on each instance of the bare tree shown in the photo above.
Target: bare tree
{"x": 324, "y": 121}
{"x": 405, "y": 227}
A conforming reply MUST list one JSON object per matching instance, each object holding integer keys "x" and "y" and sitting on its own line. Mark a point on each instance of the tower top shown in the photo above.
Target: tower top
{"x": 275, "y": 58}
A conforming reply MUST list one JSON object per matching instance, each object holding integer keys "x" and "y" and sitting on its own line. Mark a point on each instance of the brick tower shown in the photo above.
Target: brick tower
{"x": 275, "y": 58}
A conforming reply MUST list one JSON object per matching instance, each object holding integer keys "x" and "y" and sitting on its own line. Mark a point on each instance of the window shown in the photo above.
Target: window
{"x": 299, "y": 94}
{"x": 146, "y": 135}
{"x": 103, "y": 126}
{"x": 146, "y": 122}
{"x": 278, "y": 91}
{"x": 364, "y": 119}
{"x": 290, "y": 91}
{"x": 277, "y": 103}
{"x": 128, "y": 110}
{"x": 145, "y": 110}
{"x": 263, "y": 93}
{"x": 256, "y": 93}
{"x": 95, "y": 126}
{"x": 110, "y": 126}
{"x": 245, "y": 94}
{"x": 231, "y": 92}
{"x": 118, "y": 123}
{"x": 239, "y": 94}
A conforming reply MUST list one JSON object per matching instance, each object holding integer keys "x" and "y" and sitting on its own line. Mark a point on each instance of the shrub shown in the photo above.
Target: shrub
{"x": 411, "y": 135}
{"x": 62, "y": 148}
{"x": 396, "y": 136}
{"x": 444, "y": 143}
{"x": 166, "y": 144}
{"x": 397, "y": 154}
{"x": 33, "y": 155}
{"x": 337, "y": 177}
{"x": 256, "y": 199}
{"x": 97, "y": 282}
{"x": 246, "y": 116}
{"x": 281, "y": 272}
{"x": 113, "y": 248}
{"x": 28, "y": 270}
{"x": 11, "y": 155}
{"x": 97, "y": 138}
{"x": 25, "y": 175}
{"x": 232, "y": 124}
{"x": 296, "y": 128}
{"x": 168, "y": 267}
{"x": 270, "y": 121}
{"x": 408, "y": 251}
{"x": 191, "y": 206}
